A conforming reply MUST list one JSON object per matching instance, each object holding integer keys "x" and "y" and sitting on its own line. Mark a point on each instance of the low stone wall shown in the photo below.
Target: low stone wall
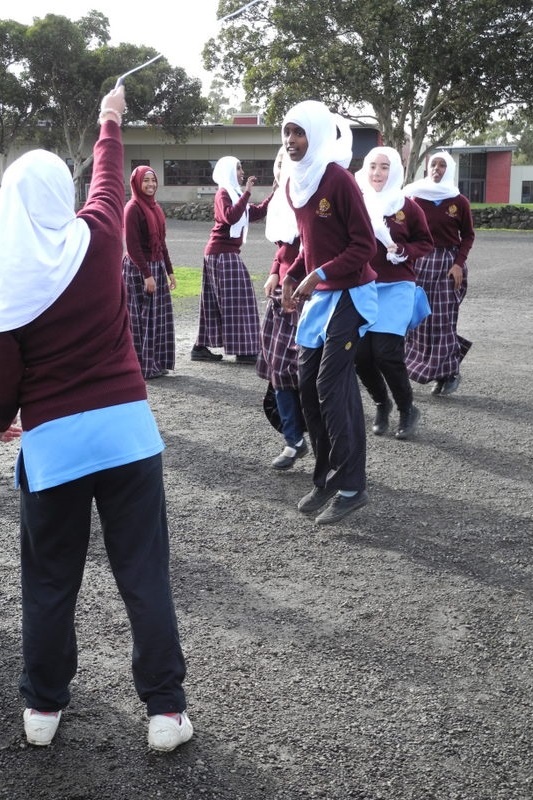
{"x": 199, "y": 212}
{"x": 511, "y": 217}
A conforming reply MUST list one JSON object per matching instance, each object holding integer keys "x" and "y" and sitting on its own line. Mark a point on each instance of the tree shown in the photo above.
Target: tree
{"x": 72, "y": 75}
{"x": 176, "y": 102}
{"x": 425, "y": 68}
{"x": 72, "y": 66}
{"x": 514, "y": 129}
{"x": 20, "y": 101}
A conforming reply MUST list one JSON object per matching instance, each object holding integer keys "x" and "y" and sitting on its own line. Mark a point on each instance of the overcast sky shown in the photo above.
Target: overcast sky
{"x": 179, "y": 34}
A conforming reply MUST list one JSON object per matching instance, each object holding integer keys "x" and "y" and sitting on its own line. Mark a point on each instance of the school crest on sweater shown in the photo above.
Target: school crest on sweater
{"x": 324, "y": 208}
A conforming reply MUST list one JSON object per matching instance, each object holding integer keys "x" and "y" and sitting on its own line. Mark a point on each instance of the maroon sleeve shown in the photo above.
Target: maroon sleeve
{"x": 11, "y": 369}
{"x": 297, "y": 269}
{"x": 135, "y": 232}
{"x": 105, "y": 202}
{"x": 228, "y": 212}
{"x": 360, "y": 246}
{"x": 466, "y": 229}
{"x": 274, "y": 269}
{"x": 419, "y": 242}
{"x": 258, "y": 211}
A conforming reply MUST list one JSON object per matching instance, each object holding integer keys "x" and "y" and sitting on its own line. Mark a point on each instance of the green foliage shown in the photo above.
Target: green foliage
{"x": 425, "y": 68}
{"x": 58, "y": 70}
{"x": 20, "y": 100}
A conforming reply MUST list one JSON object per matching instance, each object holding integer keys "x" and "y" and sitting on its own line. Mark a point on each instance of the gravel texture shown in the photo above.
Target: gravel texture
{"x": 385, "y": 658}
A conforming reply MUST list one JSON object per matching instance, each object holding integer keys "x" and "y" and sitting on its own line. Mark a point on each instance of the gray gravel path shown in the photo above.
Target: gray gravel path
{"x": 386, "y": 658}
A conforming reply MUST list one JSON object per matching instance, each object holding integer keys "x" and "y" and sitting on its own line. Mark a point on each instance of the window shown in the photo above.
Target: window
{"x": 182, "y": 172}
{"x": 139, "y": 162}
{"x": 472, "y": 175}
{"x": 527, "y": 192}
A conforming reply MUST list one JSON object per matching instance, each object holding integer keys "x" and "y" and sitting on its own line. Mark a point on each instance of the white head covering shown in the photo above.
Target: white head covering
{"x": 386, "y": 202}
{"x": 427, "y": 189}
{"x": 42, "y": 242}
{"x": 319, "y": 125}
{"x": 344, "y": 142}
{"x": 280, "y": 224}
{"x": 225, "y": 175}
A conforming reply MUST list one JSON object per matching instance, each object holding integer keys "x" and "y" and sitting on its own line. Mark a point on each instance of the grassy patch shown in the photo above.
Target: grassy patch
{"x": 527, "y": 206}
{"x": 188, "y": 282}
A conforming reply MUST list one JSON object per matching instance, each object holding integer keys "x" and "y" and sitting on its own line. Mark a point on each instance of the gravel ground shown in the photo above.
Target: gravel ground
{"x": 387, "y": 657}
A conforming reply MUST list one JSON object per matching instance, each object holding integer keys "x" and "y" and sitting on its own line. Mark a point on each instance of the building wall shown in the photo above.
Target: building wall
{"x": 498, "y": 176}
{"x": 245, "y": 142}
{"x": 519, "y": 174}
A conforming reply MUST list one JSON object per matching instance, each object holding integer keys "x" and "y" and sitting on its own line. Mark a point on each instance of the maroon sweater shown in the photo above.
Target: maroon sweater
{"x": 78, "y": 354}
{"x": 336, "y": 233}
{"x": 451, "y": 224}
{"x": 284, "y": 258}
{"x": 226, "y": 215}
{"x": 409, "y": 230}
{"x": 138, "y": 241}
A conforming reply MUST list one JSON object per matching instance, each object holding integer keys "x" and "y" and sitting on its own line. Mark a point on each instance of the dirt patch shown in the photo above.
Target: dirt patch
{"x": 387, "y": 657}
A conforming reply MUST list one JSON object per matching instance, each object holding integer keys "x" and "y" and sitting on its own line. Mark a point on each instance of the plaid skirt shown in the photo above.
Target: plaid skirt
{"x": 277, "y": 361}
{"x": 151, "y": 318}
{"x": 229, "y": 317}
{"x": 434, "y": 350}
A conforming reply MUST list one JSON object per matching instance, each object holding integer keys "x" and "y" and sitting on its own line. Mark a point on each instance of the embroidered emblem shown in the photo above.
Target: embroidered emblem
{"x": 324, "y": 208}
{"x": 399, "y": 217}
{"x": 348, "y": 346}
{"x": 452, "y": 210}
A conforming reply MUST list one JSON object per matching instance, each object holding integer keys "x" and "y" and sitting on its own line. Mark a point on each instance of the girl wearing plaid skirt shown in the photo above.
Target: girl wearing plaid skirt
{"x": 434, "y": 350}
{"x": 149, "y": 277}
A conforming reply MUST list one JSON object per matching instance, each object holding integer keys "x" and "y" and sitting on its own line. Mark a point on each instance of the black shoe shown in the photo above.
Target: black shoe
{"x": 451, "y": 384}
{"x": 315, "y": 499}
{"x": 341, "y": 506}
{"x": 285, "y": 460}
{"x": 437, "y": 389}
{"x": 381, "y": 420}
{"x": 201, "y": 353}
{"x": 408, "y": 423}
{"x": 246, "y": 359}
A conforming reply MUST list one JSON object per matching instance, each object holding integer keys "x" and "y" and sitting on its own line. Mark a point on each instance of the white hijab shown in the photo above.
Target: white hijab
{"x": 320, "y": 128}
{"x": 386, "y": 202}
{"x": 225, "y": 175}
{"x": 428, "y": 189}
{"x": 280, "y": 224}
{"x": 344, "y": 143}
{"x": 42, "y": 242}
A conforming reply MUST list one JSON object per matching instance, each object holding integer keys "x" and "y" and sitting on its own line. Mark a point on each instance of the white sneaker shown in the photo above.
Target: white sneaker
{"x": 167, "y": 731}
{"x": 40, "y": 726}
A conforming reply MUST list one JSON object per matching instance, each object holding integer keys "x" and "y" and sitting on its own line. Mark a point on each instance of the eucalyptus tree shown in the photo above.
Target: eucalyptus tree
{"x": 423, "y": 68}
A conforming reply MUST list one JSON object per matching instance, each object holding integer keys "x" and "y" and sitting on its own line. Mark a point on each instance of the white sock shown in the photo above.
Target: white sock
{"x": 290, "y": 452}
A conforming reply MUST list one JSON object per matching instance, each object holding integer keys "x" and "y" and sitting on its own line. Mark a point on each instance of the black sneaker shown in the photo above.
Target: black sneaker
{"x": 201, "y": 353}
{"x": 315, "y": 499}
{"x": 246, "y": 359}
{"x": 340, "y": 507}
